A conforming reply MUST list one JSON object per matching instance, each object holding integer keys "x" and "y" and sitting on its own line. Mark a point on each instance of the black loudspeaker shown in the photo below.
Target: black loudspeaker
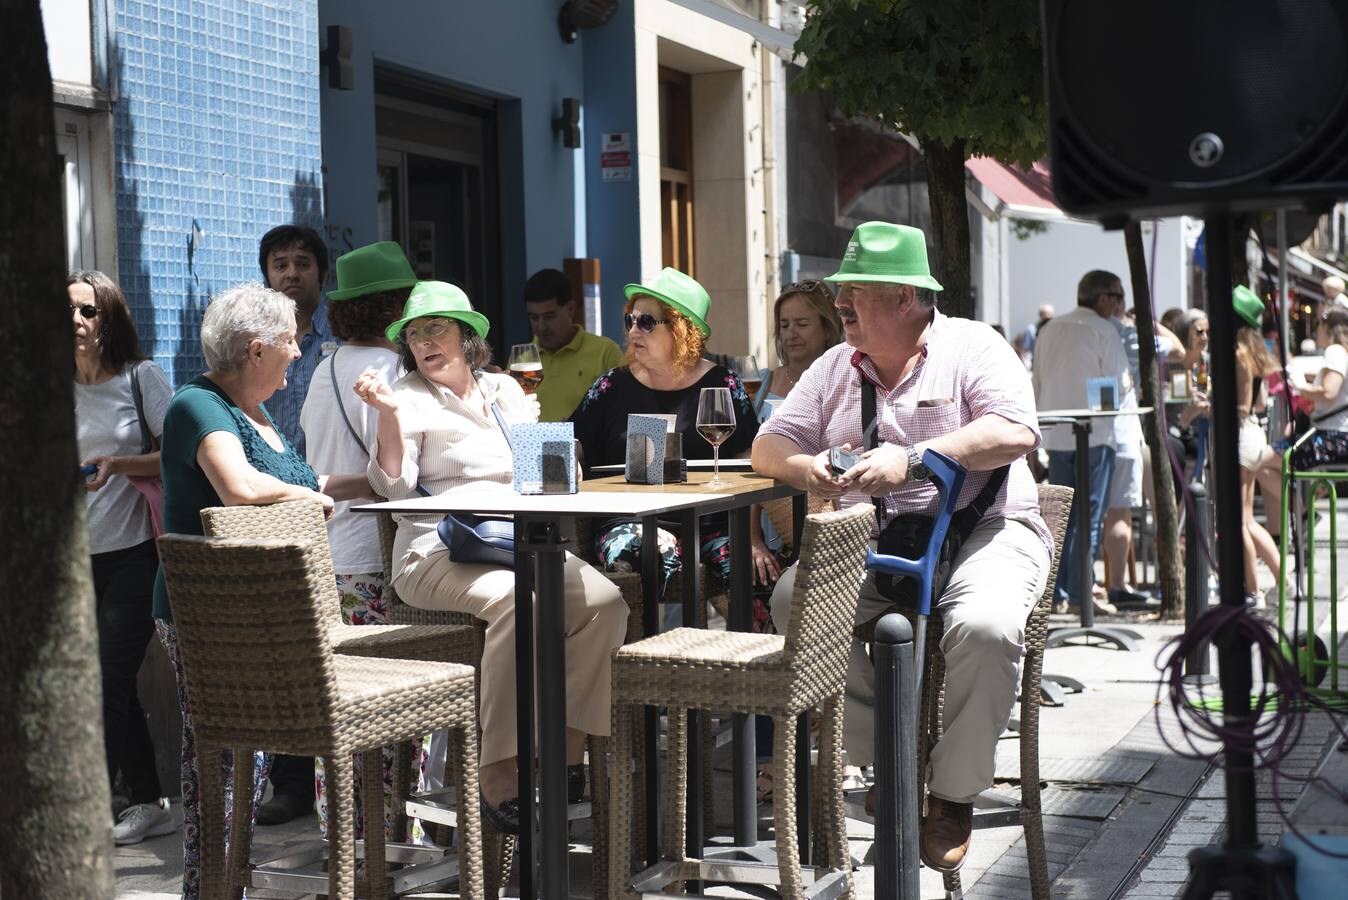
{"x": 1168, "y": 107}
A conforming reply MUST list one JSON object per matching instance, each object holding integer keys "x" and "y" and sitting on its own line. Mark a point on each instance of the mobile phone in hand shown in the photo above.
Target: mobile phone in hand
{"x": 88, "y": 470}
{"x": 840, "y": 460}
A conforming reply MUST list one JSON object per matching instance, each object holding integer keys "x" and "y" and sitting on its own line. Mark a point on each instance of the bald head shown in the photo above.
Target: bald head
{"x": 1046, "y": 312}
{"x": 1333, "y": 286}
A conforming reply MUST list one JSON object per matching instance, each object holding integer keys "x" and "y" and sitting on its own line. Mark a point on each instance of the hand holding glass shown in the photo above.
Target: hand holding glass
{"x": 750, "y": 374}
{"x": 716, "y": 423}
{"x": 526, "y": 366}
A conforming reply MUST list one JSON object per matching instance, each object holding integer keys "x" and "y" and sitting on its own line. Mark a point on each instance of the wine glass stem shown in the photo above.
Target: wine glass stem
{"x": 715, "y": 463}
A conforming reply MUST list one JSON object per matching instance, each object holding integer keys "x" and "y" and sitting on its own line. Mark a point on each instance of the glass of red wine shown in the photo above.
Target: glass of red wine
{"x": 526, "y": 367}
{"x": 716, "y": 423}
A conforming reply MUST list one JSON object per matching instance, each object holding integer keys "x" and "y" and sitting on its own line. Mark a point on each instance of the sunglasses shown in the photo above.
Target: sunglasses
{"x": 87, "y": 310}
{"x": 645, "y": 322}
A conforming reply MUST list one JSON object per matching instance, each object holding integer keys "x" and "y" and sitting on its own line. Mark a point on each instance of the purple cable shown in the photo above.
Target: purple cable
{"x": 1273, "y": 729}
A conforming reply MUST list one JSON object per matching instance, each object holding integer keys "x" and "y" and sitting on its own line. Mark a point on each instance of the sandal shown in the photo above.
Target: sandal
{"x": 763, "y": 786}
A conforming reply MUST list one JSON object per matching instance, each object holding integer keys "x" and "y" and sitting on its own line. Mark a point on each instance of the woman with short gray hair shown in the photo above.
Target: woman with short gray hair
{"x": 221, "y": 448}
{"x": 239, "y": 316}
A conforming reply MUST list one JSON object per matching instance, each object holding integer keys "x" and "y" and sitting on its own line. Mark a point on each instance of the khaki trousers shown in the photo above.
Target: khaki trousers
{"x": 998, "y": 577}
{"x": 596, "y": 623}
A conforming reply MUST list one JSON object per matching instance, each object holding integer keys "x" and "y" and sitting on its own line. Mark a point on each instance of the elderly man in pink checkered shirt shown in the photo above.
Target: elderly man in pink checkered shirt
{"x": 955, "y": 386}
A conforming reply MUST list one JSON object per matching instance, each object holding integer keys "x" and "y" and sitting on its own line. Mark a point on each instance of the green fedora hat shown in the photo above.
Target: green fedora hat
{"x": 883, "y": 251}
{"x": 437, "y": 298}
{"x": 1248, "y": 306}
{"x": 372, "y": 268}
{"x": 678, "y": 290}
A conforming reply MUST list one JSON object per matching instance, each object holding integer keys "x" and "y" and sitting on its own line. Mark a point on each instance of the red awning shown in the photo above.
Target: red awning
{"x": 1024, "y": 194}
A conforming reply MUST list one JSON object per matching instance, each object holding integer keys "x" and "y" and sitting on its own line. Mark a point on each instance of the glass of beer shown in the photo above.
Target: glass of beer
{"x": 716, "y": 423}
{"x": 749, "y": 372}
{"x": 526, "y": 367}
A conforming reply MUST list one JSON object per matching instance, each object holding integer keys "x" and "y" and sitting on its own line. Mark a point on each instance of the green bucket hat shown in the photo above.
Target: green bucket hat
{"x": 1248, "y": 306}
{"x": 370, "y": 269}
{"x": 883, "y": 251}
{"x": 436, "y": 298}
{"x": 676, "y": 289}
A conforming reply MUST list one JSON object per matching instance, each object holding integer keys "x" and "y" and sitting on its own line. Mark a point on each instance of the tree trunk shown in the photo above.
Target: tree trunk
{"x": 55, "y": 828}
{"x": 1169, "y": 564}
{"x": 950, "y": 226}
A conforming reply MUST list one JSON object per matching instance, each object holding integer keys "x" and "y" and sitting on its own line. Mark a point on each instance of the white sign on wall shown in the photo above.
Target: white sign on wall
{"x": 615, "y": 156}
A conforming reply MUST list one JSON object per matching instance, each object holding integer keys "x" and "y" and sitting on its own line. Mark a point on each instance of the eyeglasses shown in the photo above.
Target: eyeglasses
{"x": 88, "y": 310}
{"x": 809, "y": 286}
{"x": 426, "y": 332}
{"x": 645, "y": 322}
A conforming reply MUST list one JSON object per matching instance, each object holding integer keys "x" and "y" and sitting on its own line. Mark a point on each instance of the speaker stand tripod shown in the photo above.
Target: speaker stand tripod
{"x": 1240, "y": 866}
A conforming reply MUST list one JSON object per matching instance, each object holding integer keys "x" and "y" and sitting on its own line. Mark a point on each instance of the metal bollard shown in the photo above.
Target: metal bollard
{"x": 1196, "y": 576}
{"x": 896, "y": 819}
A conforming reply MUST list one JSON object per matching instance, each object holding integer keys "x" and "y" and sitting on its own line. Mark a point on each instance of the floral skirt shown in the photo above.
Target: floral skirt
{"x": 619, "y": 549}
{"x": 191, "y": 783}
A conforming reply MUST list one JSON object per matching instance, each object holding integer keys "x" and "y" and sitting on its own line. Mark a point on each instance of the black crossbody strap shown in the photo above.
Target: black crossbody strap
{"x": 870, "y": 434}
{"x": 966, "y": 519}
{"x": 1324, "y": 417}
{"x": 341, "y": 407}
{"x": 146, "y": 439}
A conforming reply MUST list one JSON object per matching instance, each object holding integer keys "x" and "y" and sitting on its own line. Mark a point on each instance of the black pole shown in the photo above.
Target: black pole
{"x": 524, "y": 711}
{"x": 743, "y": 752}
{"x": 1085, "y": 585}
{"x": 896, "y": 820}
{"x": 1196, "y": 575}
{"x": 1233, "y": 650}
{"x": 551, "y": 667}
{"x": 1239, "y": 866}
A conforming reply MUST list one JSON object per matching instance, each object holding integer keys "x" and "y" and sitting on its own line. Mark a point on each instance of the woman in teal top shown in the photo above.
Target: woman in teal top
{"x": 221, "y": 448}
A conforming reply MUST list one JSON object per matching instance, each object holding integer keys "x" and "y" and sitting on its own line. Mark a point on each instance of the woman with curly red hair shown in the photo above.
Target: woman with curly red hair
{"x": 667, "y": 330}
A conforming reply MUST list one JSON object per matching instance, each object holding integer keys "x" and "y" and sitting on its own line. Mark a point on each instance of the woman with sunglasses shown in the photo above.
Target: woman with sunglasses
{"x": 111, "y": 423}
{"x": 442, "y": 427}
{"x": 667, "y": 331}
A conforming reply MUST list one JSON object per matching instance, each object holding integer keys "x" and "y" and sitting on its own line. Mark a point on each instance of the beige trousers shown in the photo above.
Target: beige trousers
{"x": 998, "y": 577}
{"x": 596, "y": 623}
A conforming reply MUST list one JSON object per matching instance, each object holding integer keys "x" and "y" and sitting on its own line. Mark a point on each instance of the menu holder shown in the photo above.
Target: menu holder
{"x": 1179, "y": 385}
{"x": 1102, "y": 394}
{"x": 545, "y": 457}
{"x": 646, "y": 442}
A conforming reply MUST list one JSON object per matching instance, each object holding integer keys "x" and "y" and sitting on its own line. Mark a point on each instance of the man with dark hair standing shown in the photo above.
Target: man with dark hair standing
{"x": 572, "y": 357}
{"x": 294, "y": 261}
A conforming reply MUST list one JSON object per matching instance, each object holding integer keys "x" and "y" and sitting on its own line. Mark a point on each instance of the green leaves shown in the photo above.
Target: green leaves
{"x": 943, "y": 70}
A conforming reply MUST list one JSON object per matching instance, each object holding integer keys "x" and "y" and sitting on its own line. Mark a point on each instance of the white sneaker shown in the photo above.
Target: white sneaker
{"x": 143, "y": 820}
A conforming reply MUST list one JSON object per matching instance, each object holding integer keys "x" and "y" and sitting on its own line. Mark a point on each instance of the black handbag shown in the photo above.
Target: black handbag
{"x": 907, "y": 534}
{"x": 476, "y": 539}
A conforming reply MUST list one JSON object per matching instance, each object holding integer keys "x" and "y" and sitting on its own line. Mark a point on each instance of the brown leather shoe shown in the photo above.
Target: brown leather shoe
{"x": 945, "y": 834}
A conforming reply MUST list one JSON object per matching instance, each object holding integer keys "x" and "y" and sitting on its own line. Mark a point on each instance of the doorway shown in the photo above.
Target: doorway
{"x": 438, "y": 188}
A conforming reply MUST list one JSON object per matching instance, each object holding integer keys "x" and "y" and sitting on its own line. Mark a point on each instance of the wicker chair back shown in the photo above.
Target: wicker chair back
{"x": 828, "y": 580}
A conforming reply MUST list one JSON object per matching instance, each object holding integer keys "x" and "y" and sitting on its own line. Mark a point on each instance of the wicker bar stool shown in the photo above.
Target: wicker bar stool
{"x": 780, "y": 676}
{"x": 262, "y": 606}
{"x": 456, "y": 641}
{"x": 1055, "y": 504}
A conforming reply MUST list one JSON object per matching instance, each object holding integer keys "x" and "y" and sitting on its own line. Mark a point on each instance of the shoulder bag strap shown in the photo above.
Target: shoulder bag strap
{"x": 1324, "y": 417}
{"x": 870, "y": 434}
{"x": 147, "y": 441}
{"x": 341, "y": 407}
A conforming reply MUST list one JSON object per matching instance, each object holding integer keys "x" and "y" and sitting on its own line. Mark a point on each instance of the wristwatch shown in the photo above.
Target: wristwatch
{"x": 917, "y": 469}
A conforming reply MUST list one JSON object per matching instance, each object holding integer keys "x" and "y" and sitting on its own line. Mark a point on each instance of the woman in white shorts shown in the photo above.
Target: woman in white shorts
{"x": 1252, "y": 364}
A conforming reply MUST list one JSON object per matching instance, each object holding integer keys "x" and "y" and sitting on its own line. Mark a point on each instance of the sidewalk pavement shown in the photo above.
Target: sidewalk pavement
{"x": 1122, "y": 809}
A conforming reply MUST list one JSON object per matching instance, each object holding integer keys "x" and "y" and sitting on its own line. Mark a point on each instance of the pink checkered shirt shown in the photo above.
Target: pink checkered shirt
{"x": 967, "y": 371}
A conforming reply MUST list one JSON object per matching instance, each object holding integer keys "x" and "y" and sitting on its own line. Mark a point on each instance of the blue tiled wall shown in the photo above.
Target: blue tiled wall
{"x": 217, "y": 140}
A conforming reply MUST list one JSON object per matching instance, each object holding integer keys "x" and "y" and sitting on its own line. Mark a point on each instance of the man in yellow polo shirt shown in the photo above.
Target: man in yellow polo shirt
{"x": 572, "y": 357}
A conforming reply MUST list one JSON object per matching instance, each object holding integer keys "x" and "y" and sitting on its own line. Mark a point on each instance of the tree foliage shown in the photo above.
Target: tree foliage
{"x": 948, "y": 71}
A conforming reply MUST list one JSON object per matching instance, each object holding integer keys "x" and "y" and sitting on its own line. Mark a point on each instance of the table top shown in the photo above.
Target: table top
{"x": 597, "y": 497}
{"x": 1092, "y": 413}
{"x": 734, "y": 464}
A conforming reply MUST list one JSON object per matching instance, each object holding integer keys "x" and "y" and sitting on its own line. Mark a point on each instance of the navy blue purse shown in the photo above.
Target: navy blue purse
{"x": 474, "y": 539}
